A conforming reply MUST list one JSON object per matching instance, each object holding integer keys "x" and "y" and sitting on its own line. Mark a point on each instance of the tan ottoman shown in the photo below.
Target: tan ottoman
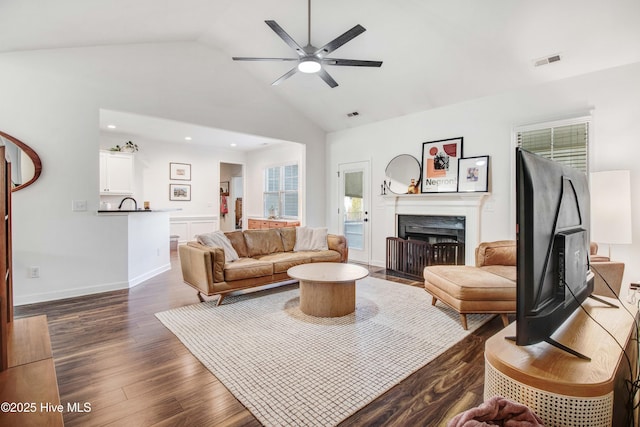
{"x": 469, "y": 289}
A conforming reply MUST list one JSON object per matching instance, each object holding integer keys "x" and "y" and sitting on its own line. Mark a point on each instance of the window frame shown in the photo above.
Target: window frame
{"x": 281, "y": 192}
{"x": 556, "y": 124}
{"x": 587, "y": 118}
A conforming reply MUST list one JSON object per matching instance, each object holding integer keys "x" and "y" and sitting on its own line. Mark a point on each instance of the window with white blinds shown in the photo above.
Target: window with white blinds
{"x": 566, "y": 142}
{"x": 280, "y": 195}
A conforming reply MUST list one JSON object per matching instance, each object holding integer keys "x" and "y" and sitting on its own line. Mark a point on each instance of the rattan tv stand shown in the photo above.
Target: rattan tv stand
{"x": 561, "y": 388}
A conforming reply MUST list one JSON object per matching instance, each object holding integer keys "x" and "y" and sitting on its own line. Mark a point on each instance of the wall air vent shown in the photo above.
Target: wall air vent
{"x": 548, "y": 60}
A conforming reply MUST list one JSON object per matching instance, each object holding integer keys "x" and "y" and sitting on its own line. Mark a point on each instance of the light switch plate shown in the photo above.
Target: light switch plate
{"x": 79, "y": 205}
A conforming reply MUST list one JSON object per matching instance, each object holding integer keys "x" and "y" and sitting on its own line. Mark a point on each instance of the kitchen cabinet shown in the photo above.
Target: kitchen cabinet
{"x": 116, "y": 173}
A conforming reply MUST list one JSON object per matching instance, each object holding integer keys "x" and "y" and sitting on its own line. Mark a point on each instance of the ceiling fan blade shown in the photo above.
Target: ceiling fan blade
{"x": 351, "y": 62}
{"x": 289, "y": 73}
{"x": 327, "y": 78}
{"x": 286, "y": 37}
{"x": 248, "y": 58}
{"x": 340, "y": 40}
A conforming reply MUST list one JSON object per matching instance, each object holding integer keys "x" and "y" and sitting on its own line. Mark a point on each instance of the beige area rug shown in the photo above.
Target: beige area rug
{"x": 290, "y": 369}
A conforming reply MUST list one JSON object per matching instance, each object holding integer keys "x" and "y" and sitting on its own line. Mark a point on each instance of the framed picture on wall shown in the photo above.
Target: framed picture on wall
{"x": 180, "y": 192}
{"x": 180, "y": 171}
{"x": 440, "y": 165}
{"x": 473, "y": 174}
{"x": 224, "y": 188}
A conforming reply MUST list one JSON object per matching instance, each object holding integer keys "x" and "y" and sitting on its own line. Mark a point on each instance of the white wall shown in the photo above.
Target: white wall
{"x": 51, "y": 101}
{"x": 610, "y": 96}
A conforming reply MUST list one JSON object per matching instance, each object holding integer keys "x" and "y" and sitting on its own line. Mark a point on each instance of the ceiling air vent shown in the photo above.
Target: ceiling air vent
{"x": 548, "y": 60}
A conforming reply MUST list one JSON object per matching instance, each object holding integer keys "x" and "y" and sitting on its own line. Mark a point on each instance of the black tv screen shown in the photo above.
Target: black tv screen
{"x": 552, "y": 216}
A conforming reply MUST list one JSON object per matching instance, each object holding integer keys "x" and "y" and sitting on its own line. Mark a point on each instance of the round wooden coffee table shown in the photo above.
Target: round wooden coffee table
{"x": 327, "y": 289}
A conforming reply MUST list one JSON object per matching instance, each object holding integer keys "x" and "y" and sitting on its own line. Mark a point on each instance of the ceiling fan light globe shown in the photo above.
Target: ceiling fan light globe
{"x": 309, "y": 66}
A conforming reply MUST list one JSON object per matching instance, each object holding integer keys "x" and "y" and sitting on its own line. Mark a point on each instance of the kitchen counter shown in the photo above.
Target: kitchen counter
{"x": 117, "y": 211}
{"x": 143, "y": 239}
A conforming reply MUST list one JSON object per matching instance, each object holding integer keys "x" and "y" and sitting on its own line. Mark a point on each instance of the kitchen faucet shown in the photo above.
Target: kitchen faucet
{"x": 135, "y": 204}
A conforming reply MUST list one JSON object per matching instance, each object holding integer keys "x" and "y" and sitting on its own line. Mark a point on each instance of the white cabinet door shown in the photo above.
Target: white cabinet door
{"x": 116, "y": 173}
{"x": 104, "y": 186}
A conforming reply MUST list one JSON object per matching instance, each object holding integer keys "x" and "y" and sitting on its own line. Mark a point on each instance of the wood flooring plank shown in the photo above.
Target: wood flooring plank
{"x": 28, "y": 340}
{"x": 111, "y": 351}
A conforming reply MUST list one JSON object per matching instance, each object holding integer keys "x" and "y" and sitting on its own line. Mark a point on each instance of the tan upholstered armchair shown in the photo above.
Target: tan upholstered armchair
{"x": 607, "y": 271}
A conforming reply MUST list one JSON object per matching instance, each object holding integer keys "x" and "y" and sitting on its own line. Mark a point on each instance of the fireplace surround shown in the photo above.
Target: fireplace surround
{"x": 466, "y": 205}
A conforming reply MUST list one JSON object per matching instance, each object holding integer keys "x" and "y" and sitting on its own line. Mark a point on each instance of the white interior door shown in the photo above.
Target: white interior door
{"x": 354, "y": 207}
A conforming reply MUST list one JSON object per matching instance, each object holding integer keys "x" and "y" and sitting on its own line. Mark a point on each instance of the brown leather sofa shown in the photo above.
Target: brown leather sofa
{"x": 264, "y": 258}
{"x": 490, "y": 286}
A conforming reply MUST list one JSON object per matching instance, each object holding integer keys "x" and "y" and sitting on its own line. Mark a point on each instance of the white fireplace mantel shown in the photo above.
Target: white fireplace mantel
{"x": 468, "y": 205}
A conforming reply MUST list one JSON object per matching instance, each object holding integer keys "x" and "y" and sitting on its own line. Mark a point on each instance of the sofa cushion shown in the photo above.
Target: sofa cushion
{"x": 288, "y": 235}
{"x": 218, "y": 239}
{"x": 246, "y": 268}
{"x": 237, "y": 241}
{"x": 468, "y": 283}
{"x": 322, "y": 256}
{"x": 310, "y": 239}
{"x": 502, "y": 252}
{"x": 283, "y": 261}
{"x": 507, "y": 271}
{"x": 263, "y": 242}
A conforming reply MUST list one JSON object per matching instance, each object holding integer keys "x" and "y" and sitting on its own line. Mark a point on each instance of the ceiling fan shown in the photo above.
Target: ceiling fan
{"x": 312, "y": 59}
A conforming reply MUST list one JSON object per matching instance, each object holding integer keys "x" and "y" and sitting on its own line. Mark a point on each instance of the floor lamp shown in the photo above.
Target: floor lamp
{"x": 611, "y": 207}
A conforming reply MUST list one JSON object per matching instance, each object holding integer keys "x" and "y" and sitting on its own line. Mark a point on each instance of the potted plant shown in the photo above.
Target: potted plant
{"x": 128, "y": 147}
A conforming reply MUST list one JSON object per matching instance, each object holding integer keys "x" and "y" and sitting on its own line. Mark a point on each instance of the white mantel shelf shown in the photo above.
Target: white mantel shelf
{"x": 468, "y": 205}
{"x": 470, "y": 197}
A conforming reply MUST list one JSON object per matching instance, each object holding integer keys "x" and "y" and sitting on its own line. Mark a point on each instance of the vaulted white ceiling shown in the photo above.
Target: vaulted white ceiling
{"x": 435, "y": 52}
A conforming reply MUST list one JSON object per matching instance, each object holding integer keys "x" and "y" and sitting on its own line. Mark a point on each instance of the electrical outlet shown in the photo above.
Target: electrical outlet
{"x": 79, "y": 205}
{"x": 34, "y": 272}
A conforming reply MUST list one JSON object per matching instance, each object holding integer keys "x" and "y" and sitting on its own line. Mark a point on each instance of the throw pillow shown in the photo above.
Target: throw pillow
{"x": 310, "y": 239}
{"x": 218, "y": 239}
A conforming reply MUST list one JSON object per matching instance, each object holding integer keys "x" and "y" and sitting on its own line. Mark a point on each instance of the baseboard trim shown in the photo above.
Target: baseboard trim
{"x": 68, "y": 293}
{"x": 148, "y": 275}
{"x": 89, "y": 290}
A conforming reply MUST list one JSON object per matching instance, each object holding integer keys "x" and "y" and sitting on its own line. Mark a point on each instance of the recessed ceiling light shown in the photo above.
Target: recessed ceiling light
{"x": 233, "y": 144}
{"x": 187, "y": 138}
{"x": 111, "y": 126}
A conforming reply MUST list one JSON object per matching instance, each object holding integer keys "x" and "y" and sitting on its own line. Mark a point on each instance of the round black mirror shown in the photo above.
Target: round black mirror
{"x": 402, "y": 172}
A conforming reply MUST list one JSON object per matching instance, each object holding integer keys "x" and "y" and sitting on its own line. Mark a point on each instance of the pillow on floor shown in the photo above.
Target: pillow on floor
{"x": 218, "y": 239}
{"x": 310, "y": 239}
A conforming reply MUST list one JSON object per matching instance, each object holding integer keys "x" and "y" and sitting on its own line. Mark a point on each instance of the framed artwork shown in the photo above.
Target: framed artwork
{"x": 180, "y": 192}
{"x": 180, "y": 171}
{"x": 440, "y": 165}
{"x": 473, "y": 174}
{"x": 224, "y": 188}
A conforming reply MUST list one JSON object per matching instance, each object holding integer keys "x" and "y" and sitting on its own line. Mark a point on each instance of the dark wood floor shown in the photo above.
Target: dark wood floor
{"x": 111, "y": 351}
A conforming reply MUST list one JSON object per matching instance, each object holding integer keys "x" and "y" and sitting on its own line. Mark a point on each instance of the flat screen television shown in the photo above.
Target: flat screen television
{"x": 552, "y": 217}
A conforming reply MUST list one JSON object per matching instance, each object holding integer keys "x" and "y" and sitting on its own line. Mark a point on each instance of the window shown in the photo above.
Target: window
{"x": 281, "y": 191}
{"x": 566, "y": 141}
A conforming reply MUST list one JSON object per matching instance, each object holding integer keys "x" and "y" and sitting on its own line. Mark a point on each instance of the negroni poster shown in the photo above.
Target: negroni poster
{"x": 440, "y": 165}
